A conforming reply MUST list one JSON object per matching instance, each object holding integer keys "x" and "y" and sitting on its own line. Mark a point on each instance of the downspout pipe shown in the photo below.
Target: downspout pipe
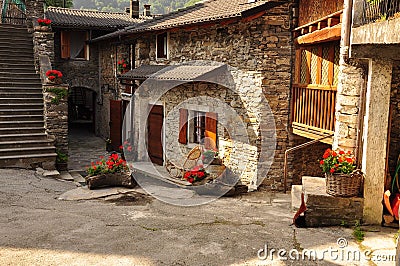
{"x": 346, "y": 28}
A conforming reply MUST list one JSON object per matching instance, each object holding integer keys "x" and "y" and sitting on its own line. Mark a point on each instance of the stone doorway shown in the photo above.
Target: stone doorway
{"x": 81, "y": 105}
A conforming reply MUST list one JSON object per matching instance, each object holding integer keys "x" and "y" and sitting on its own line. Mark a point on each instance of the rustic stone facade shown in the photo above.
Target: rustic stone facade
{"x": 56, "y": 116}
{"x": 43, "y": 45}
{"x": 34, "y": 11}
{"x": 261, "y": 49}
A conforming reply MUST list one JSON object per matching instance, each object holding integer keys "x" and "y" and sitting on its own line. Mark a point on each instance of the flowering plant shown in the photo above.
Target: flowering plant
{"x": 114, "y": 164}
{"x": 123, "y": 65}
{"x": 338, "y": 162}
{"x": 209, "y": 155}
{"x": 44, "y": 22}
{"x": 196, "y": 174}
{"x": 126, "y": 146}
{"x": 53, "y": 74}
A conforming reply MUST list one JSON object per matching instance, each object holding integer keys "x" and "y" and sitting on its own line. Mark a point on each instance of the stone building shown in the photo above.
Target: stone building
{"x": 79, "y": 61}
{"x": 252, "y": 40}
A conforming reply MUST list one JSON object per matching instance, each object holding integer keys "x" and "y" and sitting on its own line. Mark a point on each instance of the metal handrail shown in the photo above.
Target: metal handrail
{"x": 298, "y": 147}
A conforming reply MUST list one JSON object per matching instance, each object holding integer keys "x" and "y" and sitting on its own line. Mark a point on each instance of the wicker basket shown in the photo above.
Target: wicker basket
{"x": 344, "y": 185}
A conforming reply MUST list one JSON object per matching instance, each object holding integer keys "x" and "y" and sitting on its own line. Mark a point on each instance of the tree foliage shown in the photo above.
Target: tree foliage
{"x": 59, "y": 3}
{"x": 157, "y": 6}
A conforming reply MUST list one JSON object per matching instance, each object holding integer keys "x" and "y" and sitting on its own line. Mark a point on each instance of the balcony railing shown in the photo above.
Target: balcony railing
{"x": 13, "y": 12}
{"x": 378, "y": 10}
{"x": 313, "y": 113}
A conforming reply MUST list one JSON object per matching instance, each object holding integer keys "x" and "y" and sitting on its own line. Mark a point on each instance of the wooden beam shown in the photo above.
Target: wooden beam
{"x": 324, "y": 35}
{"x": 333, "y": 22}
{"x": 322, "y": 24}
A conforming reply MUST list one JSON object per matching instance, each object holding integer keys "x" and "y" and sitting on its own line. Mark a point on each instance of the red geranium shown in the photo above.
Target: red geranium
{"x": 114, "y": 164}
{"x": 197, "y": 173}
{"x": 53, "y": 74}
{"x": 337, "y": 162}
{"x": 44, "y": 22}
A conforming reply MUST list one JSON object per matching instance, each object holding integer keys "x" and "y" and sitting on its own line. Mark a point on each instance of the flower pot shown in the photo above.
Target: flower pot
{"x": 62, "y": 166}
{"x": 42, "y": 28}
{"x": 344, "y": 185}
{"x": 111, "y": 180}
{"x": 54, "y": 81}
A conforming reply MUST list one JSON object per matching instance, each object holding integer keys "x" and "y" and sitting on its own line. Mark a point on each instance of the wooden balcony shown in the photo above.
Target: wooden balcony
{"x": 313, "y": 111}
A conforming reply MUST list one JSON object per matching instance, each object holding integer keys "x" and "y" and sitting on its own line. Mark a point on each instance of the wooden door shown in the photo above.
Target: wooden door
{"x": 116, "y": 124}
{"x": 154, "y": 134}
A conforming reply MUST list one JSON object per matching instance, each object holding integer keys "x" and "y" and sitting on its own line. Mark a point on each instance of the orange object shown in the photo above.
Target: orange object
{"x": 395, "y": 206}
{"x": 386, "y": 201}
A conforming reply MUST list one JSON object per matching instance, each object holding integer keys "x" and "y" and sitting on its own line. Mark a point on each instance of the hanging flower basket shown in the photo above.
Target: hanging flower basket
{"x": 344, "y": 185}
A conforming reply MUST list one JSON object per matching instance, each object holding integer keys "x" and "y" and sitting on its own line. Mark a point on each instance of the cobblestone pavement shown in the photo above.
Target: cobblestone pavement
{"x": 84, "y": 148}
{"x": 37, "y": 228}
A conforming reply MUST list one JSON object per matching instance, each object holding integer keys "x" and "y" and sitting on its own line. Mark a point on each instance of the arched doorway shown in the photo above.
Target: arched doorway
{"x": 81, "y": 109}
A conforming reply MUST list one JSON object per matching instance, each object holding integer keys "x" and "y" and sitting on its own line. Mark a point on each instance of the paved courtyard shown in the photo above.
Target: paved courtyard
{"x": 37, "y": 228}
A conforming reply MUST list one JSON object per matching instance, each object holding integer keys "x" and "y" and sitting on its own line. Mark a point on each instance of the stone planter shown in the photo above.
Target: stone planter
{"x": 55, "y": 81}
{"x": 111, "y": 180}
{"x": 42, "y": 28}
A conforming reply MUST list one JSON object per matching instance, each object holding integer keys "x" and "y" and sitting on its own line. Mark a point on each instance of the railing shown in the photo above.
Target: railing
{"x": 313, "y": 114}
{"x": 13, "y": 13}
{"x": 379, "y": 10}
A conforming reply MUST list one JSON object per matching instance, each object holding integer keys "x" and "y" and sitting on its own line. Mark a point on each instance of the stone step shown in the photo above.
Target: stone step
{"x": 14, "y": 27}
{"x": 14, "y": 60}
{"x": 11, "y": 152}
{"x": 21, "y": 137}
{"x": 19, "y": 118}
{"x": 17, "y": 46}
{"x": 26, "y": 144}
{"x": 29, "y": 111}
{"x": 20, "y": 94}
{"x": 17, "y": 53}
{"x": 326, "y": 210}
{"x": 37, "y": 88}
{"x": 20, "y": 106}
{"x": 20, "y": 84}
{"x": 21, "y": 130}
{"x": 21, "y": 100}
{"x": 22, "y": 124}
{"x": 20, "y": 74}
{"x": 43, "y": 160}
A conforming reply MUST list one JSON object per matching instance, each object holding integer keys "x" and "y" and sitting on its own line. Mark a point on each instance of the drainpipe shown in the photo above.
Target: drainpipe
{"x": 346, "y": 28}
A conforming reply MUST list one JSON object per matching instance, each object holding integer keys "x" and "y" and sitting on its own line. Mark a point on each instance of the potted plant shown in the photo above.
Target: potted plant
{"x": 112, "y": 171}
{"x": 123, "y": 66}
{"x": 44, "y": 25}
{"x": 342, "y": 178}
{"x": 61, "y": 161}
{"x": 196, "y": 175}
{"x": 54, "y": 76}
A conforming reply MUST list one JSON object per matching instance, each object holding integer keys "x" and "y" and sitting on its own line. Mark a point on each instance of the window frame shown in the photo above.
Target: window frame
{"x": 165, "y": 45}
{"x": 65, "y": 45}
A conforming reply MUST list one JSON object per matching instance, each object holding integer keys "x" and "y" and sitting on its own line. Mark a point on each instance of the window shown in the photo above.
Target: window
{"x": 73, "y": 45}
{"x": 162, "y": 45}
{"x": 318, "y": 65}
{"x": 198, "y": 127}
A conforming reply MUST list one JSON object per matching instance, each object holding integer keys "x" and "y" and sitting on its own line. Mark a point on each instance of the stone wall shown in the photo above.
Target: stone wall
{"x": 43, "y": 44}
{"x": 394, "y": 145}
{"x": 261, "y": 49}
{"x": 348, "y": 104}
{"x": 56, "y": 116}
{"x": 34, "y": 10}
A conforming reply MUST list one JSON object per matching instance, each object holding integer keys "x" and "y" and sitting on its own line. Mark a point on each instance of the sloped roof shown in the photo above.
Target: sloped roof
{"x": 168, "y": 72}
{"x": 80, "y": 18}
{"x": 207, "y": 11}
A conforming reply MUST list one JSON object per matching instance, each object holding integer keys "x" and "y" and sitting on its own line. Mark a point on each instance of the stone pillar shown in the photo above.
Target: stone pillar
{"x": 56, "y": 114}
{"x": 348, "y": 102}
{"x": 375, "y": 138}
{"x": 43, "y": 44}
{"x": 34, "y": 10}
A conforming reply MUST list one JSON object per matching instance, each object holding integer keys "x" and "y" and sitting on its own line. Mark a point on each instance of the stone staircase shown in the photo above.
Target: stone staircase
{"x": 23, "y": 141}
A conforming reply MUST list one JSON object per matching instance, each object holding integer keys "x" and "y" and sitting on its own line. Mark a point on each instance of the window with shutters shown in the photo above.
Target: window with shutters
{"x": 198, "y": 127}
{"x": 162, "y": 46}
{"x": 73, "y": 45}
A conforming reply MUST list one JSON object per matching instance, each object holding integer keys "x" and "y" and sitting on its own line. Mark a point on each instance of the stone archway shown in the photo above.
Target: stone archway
{"x": 82, "y": 108}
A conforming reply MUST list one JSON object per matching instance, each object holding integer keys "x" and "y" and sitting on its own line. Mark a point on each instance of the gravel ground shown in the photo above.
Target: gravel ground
{"x": 38, "y": 229}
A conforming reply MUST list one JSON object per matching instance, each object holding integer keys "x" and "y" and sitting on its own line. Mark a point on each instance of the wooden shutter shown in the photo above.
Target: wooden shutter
{"x": 65, "y": 45}
{"x": 211, "y": 131}
{"x": 162, "y": 45}
{"x": 116, "y": 123}
{"x": 183, "y": 125}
